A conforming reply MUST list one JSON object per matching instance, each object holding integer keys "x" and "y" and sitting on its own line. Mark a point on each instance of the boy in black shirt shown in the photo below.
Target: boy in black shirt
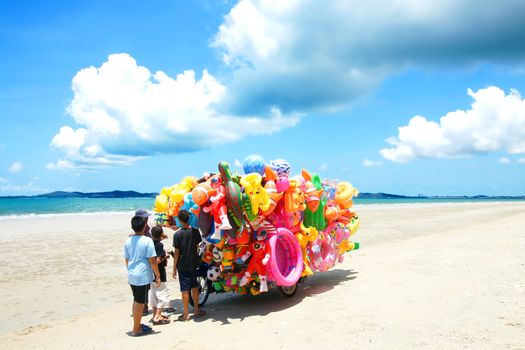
{"x": 159, "y": 297}
{"x": 186, "y": 261}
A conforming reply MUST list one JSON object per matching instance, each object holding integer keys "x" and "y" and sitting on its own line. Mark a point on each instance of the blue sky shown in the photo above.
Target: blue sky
{"x": 401, "y": 97}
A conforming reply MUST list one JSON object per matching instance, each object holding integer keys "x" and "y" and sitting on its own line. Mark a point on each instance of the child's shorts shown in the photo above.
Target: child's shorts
{"x": 159, "y": 297}
{"x": 187, "y": 280}
{"x": 140, "y": 293}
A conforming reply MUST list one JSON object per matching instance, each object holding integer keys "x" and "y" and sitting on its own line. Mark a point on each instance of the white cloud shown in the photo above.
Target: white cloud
{"x": 15, "y": 167}
{"x": 306, "y": 55}
{"x": 504, "y": 160}
{"x": 7, "y": 187}
{"x": 323, "y": 167}
{"x": 521, "y": 160}
{"x": 237, "y": 163}
{"x": 126, "y": 112}
{"x": 371, "y": 163}
{"x": 495, "y": 122}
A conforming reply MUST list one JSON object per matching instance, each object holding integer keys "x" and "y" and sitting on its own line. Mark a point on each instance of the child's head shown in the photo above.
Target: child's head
{"x": 157, "y": 232}
{"x": 184, "y": 216}
{"x": 138, "y": 223}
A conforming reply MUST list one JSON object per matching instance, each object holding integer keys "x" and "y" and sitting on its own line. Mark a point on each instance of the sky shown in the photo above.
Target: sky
{"x": 407, "y": 97}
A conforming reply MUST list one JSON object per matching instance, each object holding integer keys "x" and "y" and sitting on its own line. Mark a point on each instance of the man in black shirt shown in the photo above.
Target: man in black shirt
{"x": 186, "y": 261}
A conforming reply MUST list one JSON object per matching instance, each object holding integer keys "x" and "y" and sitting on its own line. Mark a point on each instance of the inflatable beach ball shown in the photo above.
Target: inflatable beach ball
{"x": 253, "y": 164}
{"x": 213, "y": 273}
{"x": 281, "y": 167}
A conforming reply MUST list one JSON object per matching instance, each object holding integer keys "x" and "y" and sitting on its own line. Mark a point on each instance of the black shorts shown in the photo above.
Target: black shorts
{"x": 187, "y": 280}
{"x": 140, "y": 293}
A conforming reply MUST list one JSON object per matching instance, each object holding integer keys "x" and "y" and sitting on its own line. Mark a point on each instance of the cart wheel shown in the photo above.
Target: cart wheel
{"x": 288, "y": 292}
{"x": 204, "y": 290}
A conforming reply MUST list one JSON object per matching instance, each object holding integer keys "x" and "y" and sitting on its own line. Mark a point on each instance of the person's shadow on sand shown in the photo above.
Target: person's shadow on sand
{"x": 223, "y": 307}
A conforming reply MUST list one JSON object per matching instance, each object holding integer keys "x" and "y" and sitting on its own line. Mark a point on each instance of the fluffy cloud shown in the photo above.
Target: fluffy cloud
{"x": 495, "y": 122}
{"x": 323, "y": 55}
{"x": 126, "y": 112}
{"x": 7, "y": 187}
{"x": 15, "y": 167}
{"x": 504, "y": 160}
{"x": 371, "y": 163}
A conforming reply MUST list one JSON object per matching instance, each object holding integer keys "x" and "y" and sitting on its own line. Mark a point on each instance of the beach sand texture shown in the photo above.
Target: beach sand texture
{"x": 428, "y": 276}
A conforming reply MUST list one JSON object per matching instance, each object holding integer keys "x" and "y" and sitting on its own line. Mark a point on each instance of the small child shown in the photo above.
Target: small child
{"x": 159, "y": 297}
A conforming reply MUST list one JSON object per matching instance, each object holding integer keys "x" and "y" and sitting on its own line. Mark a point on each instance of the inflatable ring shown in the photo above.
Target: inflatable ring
{"x": 323, "y": 253}
{"x": 286, "y": 260}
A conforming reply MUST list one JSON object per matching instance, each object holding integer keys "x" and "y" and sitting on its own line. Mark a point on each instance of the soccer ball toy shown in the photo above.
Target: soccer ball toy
{"x": 213, "y": 273}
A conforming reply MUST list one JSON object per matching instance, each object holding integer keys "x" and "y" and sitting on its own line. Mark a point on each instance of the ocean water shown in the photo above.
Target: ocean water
{"x": 38, "y": 206}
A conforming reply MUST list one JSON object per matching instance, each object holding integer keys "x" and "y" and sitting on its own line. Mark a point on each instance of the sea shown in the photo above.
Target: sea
{"x": 32, "y": 206}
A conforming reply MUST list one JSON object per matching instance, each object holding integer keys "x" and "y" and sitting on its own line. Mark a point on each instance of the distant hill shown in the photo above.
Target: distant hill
{"x": 134, "y": 194}
{"x": 382, "y": 195}
{"x": 109, "y": 194}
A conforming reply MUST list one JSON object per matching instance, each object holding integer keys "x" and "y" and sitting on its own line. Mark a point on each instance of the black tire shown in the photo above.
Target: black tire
{"x": 204, "y": 290}
{"x": 288, "y": 292}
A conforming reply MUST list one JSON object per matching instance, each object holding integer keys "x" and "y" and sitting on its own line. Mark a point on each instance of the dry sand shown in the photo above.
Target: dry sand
{"x": 430, "y": 276}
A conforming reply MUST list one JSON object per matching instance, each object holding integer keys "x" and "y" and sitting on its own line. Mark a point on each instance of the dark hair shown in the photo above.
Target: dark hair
{"x": 184, "y": 216}
{"x": 138, "y": 223}
{"x": 157, "y": 231}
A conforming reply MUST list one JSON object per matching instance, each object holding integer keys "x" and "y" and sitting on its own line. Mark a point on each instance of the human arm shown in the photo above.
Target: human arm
{"x": 155, "y": 267}
{"x": 127, "y": 261}
{"x": 176, "y": 256}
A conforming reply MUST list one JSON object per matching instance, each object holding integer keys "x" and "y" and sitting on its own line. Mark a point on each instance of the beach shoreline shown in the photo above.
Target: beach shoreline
{"x": 432, "y": 275}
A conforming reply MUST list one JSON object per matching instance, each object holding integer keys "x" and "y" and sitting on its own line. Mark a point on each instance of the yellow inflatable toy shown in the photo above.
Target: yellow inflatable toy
{"x": 258, "y": 196}
{"x": 306, "y": 235}
{"x": 344, "y": 192}
{"x": 294, "y": 198}
{"x": 353, "y": 225}
{"x": 161, "y": 203}
{"x": 271, "y": 189}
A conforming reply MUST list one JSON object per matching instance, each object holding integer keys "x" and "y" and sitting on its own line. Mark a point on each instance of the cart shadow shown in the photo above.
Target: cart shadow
{"x": 224, "y": 307}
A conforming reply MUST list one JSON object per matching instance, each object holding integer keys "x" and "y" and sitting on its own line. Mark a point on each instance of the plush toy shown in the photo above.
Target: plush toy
{"x": 260, "y": 255}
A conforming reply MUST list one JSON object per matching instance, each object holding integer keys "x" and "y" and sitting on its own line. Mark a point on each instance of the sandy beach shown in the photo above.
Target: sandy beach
{"x": 427, "y": 276}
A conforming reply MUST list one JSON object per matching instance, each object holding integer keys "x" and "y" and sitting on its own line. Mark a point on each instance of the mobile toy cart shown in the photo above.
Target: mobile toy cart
{"x": 264, "y": 228}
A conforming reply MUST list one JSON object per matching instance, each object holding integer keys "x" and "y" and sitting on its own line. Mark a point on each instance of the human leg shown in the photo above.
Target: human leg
{"x": 138, "y": 307}
{"x": 195, "y": 295}
{"x": 184, "y": 281}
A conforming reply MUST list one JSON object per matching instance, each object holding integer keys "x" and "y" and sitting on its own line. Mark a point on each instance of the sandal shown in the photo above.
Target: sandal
{"x": 144, "y": 331}
{"x": 161, "y": 321}
{"x": 200, "y": 314}
{"x": 181, "y": 318}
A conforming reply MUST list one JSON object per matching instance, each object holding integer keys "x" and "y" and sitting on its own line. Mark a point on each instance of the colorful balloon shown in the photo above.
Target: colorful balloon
{"x": 253, "y": 164}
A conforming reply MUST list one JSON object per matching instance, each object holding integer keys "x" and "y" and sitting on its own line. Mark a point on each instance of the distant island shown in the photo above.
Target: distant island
{"x": 134, "y": 194}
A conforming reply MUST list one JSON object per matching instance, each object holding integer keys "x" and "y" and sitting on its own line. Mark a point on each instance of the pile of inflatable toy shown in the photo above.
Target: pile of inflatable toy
{"x": 264, "y": 226}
